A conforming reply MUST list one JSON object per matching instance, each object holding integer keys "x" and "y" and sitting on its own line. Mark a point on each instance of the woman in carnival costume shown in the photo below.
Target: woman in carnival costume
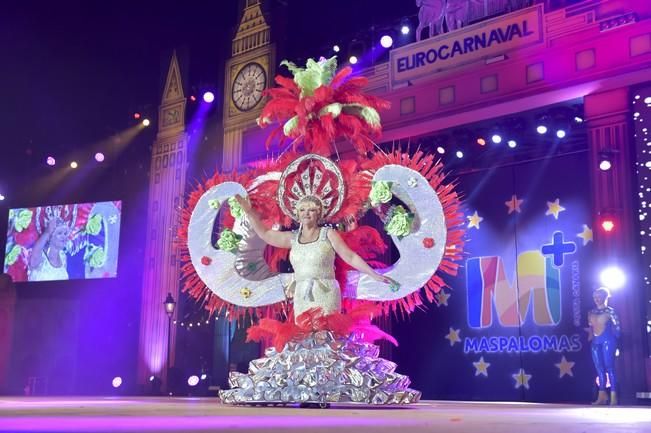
{"x": 322, "y": 349}
{"x": 604, "y": 332}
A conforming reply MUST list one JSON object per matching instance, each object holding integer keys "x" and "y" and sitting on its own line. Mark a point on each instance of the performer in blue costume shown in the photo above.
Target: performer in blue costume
{"x": 604, "y": 332}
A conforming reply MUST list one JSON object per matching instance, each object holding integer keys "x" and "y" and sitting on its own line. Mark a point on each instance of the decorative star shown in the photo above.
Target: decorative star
{"x": 113, "y": 219}
{"x": 481, "y": 367}
{"x": 565, "y": 367}
{"x": 521, "y": 379}
{"x": 474, "y": 220}
{"x": 554, "y": 208}
{"x": 453, "y": 336}
{"x": 586, "y": 235}
{"x": 514, "y": 204}
{"x": 412, "y": 182}
{"x": 442, "y": 298}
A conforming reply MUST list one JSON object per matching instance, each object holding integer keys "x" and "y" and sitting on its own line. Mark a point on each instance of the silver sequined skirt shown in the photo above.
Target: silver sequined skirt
{"x": 321, "y": 369}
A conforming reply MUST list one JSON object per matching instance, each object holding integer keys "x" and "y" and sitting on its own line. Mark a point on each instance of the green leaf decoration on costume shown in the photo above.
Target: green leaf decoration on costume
{"x": 236, "y": 209}
{"x": 333, "y": 109}
{"x": 23, "y": 219}
{"x": 213, "y": 204}
{"x": 95, "y": 256}
{"x": 314, "y": 75}
{"x": 380, "y": 192}
{"x": 12, "y": 255}
{"x": 290, "y": 125}
{"x": 94, "y": 224}
{"x": 400, "y": 222}
{"x": 228, "y": 240}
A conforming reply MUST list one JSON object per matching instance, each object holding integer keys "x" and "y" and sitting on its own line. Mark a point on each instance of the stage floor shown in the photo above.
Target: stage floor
{"x": 124, "y": 414}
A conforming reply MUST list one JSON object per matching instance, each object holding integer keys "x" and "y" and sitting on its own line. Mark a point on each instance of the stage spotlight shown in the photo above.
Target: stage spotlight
{"x": 74, "y": 164}
{"x": 193, "y": 380}
{"x": 193, "y": 98}
{"x": 481, "y": 141}
{"x": 146, "y": 122}
{"x": 2, "y": 197}
{"x": 386, "y": 41}
{"x": 405, "y": 29}
{"x": 336, "y": 48}
{"x": 99, "y": 157}
{"x": 605, "y": 165}
{"x": 51, "y": 161}
{"x": 151, "y": 378}
{"x": 440, "y": 150}
{"x": 560, "y": 133}
{"x": 352, "y": 60}
{"x": 459, "y": 154}
{"x": 541, "y": 129}
{"x": 612, "y": 277}
{"x": 496, "y": 138}
{"x": 204, "y": 376}
{"x": 208, "y": 97}
{"x": 136, "y": 115}
{"x": 116, "y": 382}
{"x": 608, "y": 224}
{"x": 512, "y": 144}
{"x": 647, "y": 100}
{"x": 578, "y": 119}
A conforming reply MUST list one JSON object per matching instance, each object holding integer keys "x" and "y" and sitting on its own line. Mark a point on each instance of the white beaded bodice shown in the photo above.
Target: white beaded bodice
{"x": 314, "y": 275}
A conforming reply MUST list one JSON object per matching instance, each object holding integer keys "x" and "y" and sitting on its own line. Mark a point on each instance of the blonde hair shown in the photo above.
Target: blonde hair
{"x": 310, "y": 199}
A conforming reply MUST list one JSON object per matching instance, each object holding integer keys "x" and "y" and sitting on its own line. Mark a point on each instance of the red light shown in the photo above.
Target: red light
{"x": 136, "y": 115}
{"x": 193, "y": 98}
{"x": 608, "y": 225}
{"x": 481, "y": 141}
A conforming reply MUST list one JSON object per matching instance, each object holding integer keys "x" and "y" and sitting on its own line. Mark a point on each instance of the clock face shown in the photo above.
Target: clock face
{"x": 248, "y": 86}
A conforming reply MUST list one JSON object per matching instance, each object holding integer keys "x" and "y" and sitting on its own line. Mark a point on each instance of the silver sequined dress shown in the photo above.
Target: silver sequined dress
{"x": 320, "y": 368}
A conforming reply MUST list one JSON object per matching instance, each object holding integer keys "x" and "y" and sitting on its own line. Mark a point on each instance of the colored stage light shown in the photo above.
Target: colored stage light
{"x": 74, "y": 164}
{"x": 208, "y": 97}
{"x": 481, "y": 141}
{"x": 405, "y": 30}
{"x": 352, "y": 60}
{"x": 561, "y": 133}
{"x": 136, "y": 115}
{"x": 336, "y": 48}
{"x": 51, "y": 161}
{"x": 541, "y": 129}
{"x": 608, "y": 224}
{"x": 512, "y": 144}
{"x": 99, "y": 157}
{"x": 496, "y": 138}
{"x": 440, "y": 150}
{"x": 146, "y": 122}
{"x": 193, "y": 380}
{"x": 612, "y": 277}
{"x": 605, "y": 165}
{"x": 386, "y": 41}
{"x": 116, "y": 382}
{"x": 459, "y": 154}
{"x": 193, "y": 98}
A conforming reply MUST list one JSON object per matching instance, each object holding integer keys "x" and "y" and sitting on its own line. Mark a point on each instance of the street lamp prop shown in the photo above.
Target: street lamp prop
{"x": 170, "y": 306}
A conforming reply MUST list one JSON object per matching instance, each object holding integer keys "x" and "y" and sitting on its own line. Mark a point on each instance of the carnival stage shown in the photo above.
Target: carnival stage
{"x": 124, "y": 414}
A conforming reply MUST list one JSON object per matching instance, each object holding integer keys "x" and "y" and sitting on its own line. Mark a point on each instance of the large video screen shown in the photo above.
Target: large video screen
{"x": 63, "y": 242}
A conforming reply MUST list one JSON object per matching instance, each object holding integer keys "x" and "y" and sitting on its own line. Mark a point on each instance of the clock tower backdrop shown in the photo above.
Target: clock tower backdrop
{"x": 248, "y": 73}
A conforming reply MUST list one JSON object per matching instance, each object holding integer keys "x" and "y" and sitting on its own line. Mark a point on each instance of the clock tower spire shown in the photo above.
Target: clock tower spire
{"x": 248, "y": 74}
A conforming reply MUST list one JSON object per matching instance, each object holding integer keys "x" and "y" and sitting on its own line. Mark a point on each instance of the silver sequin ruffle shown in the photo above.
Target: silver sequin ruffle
{"x": 321, "y": 369}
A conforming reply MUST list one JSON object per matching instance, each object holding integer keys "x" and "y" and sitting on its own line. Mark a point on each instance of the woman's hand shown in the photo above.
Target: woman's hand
{"x": 393, "y": 284}
{"x": 51, "y": 226}
{"x": 244, "y": 204}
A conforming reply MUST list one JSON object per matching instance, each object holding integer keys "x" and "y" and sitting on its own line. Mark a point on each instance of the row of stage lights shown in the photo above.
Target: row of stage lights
{"x": 386, "y": 41}
{"x": 498, "y": 138}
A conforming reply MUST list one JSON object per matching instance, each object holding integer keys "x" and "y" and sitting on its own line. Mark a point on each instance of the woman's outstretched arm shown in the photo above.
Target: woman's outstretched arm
{"x": 272, "y": 237}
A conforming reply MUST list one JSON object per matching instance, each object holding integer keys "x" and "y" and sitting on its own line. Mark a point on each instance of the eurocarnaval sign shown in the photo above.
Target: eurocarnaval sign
{"x": 479, "y": 41}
